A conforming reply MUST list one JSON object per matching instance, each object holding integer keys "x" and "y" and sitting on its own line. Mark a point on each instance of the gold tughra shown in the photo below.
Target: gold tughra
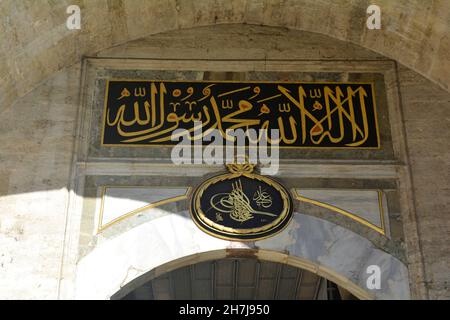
{"x": 237, "y": 204}
{"x": 241, "y": 204}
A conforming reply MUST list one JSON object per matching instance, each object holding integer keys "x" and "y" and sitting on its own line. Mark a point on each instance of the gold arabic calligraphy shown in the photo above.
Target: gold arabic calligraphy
{"x": 237, "y": 204}
{"x": 262, "y": 198}
{"x": 338, "y": 114}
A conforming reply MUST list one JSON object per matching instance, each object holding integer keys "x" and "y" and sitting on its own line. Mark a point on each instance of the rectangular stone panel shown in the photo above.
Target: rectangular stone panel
{"x": 367, "y": 207}
{"x": 118, "y": 203}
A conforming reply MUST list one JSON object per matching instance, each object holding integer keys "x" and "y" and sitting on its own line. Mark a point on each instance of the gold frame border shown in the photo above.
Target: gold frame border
{"x": 103, "y": 124}
{"x": 101, "y": 227}
{"x": 195, "y": 198}
{"x": 348, "y": 214}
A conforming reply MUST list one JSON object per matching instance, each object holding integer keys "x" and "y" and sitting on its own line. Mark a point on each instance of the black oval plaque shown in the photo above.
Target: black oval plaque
{"x": 241, "y": 205}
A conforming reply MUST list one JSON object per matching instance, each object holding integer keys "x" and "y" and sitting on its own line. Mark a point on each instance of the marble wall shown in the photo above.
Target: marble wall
{"x": 49, "y": 202}
{"x": 308, "y": 242}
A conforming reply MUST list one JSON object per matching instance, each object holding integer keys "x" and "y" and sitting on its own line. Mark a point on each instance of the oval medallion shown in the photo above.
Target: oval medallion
{"x": 241, "y": 205}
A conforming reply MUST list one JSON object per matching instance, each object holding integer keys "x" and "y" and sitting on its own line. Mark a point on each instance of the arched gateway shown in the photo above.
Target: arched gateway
{"x": 312, "y": 244}
{"x": 332, "y": 211}
{"x": 237, "y": 279}
{"x": 97, "y": 202}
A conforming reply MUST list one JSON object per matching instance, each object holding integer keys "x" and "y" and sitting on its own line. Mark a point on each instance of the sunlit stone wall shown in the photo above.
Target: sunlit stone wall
{"x": 37, "y": 130}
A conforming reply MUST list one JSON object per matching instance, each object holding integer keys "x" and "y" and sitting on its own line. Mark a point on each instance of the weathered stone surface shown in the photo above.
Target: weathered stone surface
{"x": 414, "y": 33}
{"x": 36, "y": 135}
{"x": 427, "y": 121}
{"x": 324, "y": 245}
{"x": 37, "y": 131}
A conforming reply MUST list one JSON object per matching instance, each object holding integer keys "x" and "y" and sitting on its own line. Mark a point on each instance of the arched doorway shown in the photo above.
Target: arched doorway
{"x": 128, "y": 261}
{"x": 238, "y": 279}
{"x": 161, "y": 239}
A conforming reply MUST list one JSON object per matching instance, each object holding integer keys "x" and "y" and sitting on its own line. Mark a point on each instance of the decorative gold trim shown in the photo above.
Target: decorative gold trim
{"x": 152, "y": 205}
{"x": 241, "y": 167}
{"x": 371, "y": 83}
{"x": 380, "y": 205}
{"x": 348, "y": 214}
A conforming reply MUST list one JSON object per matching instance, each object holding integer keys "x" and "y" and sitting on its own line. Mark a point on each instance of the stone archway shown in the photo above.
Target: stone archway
{"x": 35, "y": 54}
{"x": 310, "y": 243}
{"x": 236, "y": 278}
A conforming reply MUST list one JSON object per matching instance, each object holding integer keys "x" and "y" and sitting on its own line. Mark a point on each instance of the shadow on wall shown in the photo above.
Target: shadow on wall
{"x": 37, "y": 132}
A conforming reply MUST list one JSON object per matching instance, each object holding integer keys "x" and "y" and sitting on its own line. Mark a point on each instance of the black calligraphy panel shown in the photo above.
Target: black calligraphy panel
{"x": 244, "y": 207}
{"x": 307, "y": 115}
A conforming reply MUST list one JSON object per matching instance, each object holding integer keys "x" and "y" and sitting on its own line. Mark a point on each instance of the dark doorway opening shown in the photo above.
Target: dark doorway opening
{"x": 239, "y": 279}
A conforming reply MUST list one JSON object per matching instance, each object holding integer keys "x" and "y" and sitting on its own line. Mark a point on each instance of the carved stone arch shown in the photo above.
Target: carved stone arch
{"x": 310, "y": 243}
{"x": 166, "y": 242}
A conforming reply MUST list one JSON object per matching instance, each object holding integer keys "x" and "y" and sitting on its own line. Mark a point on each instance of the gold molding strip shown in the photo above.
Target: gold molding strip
{"x": 381, "y": 230}
{"x": 151, "y": 205}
